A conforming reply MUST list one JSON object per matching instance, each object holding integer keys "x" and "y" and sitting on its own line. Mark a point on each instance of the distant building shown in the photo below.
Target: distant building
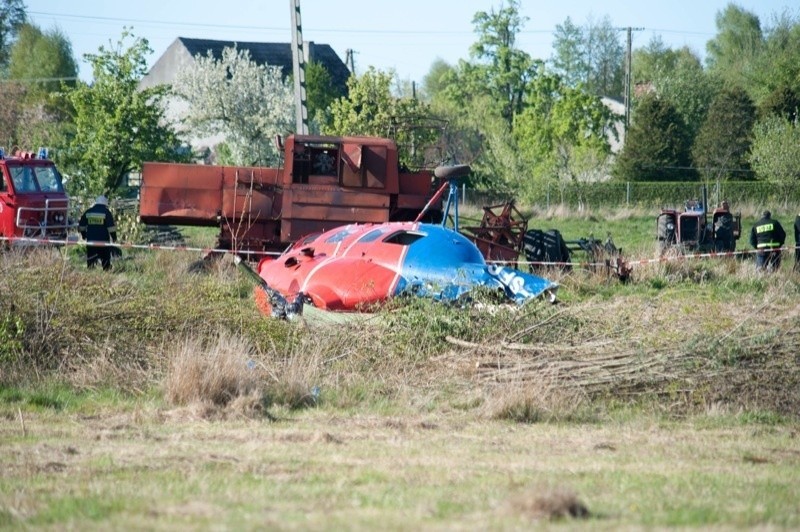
{"x": 183, "y": 51}
{"x": 616, "y": 141}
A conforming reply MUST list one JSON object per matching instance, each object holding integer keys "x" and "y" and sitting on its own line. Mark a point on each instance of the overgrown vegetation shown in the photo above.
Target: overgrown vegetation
{"x": 169, "y": 392}
{"x": 695, "y": 327}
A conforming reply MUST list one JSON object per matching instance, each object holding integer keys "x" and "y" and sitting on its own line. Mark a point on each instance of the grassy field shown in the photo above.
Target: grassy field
{"x": 156, "y": 398}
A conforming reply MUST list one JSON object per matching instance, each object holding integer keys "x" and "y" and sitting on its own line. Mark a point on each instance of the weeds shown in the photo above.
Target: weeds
{"x": 217, "y": 370}
{"x": 716, "y": 332}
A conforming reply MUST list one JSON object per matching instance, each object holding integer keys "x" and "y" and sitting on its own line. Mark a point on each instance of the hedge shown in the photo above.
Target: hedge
{"x": 649, "y": 195}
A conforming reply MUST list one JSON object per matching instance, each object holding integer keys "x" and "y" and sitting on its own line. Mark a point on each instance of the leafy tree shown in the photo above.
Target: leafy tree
{"x": 722, "y": 145}
{"x": 569, "y": 54}
{"x": 371, "y": 109}
{"x": 677, "y": 76}
{"x": 649, "y": 60}
{"x": 117, "y": 126}
{"x": 775, "y": 154}
{"x": 434, "y": 81}
{"x": 778, "y": 64}
{"x": 249, "y": 104}
{"x": 591, "y": 55}
{"x": 739, "y": 40}
{"x": 12, "y": 96}
{"x": 783, "y": 102}
{"x": 562, "y": 131}
{"x": 657, "y": 145}
{"x": 558, "y": 115}
{"x": 480, "y": 98}
{"x": 38, "y": 55}
{"x": 44, "y": 114}
{"x": 506, "y": 69}
{"x": 12, "y": 16}
{"x": 320, "y": 93}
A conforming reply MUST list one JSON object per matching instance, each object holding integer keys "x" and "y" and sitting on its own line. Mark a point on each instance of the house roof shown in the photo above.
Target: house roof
{"x": 273, "y": 53}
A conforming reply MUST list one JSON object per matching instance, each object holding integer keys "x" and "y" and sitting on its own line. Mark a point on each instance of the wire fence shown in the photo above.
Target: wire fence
{"x": 648, "y": 195}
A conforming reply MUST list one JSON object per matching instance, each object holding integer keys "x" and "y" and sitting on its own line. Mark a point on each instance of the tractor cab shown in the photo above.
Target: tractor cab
{"x": 33, "y": 203}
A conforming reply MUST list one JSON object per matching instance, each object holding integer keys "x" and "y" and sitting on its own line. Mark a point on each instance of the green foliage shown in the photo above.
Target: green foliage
{"x": 42, "y": 56}
{"x": 248, "y": 103}
{"x": 775, "y": 154}
{"x": 722, "y": 145}
{"x": 434, "y": 81}
{"x": 12, "y": 331}
{"x": 677, "y": 76}
{"x": 569, "y": 53}
{"x": 507, "y": 69}
{"x": 12, "y": 98}
{"x": 39, "y": 114}
{"x": 562, "y": 132}
{"x": 739, "y": 39}
{"x": 557, "y": 115}
{"x": 371, "y": 109}
{"x": 657, "y": 194}
{"x": 12, "y": 17}
{"x": 783, "y": 102}
{"x": 117, "y": 126}
{"x": 759, "y": 59}
{"x": 657, "y": 145}
{"x": 777, "y": 66}
{"x": 591, "y": 56}
{"x": 320, "y": 93}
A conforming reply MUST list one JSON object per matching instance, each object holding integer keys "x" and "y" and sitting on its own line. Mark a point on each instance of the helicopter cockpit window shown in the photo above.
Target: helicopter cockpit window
{"x": 404, "y": 238}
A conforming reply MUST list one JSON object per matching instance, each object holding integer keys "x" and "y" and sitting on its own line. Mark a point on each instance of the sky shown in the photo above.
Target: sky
{"x": 406, "y": 36}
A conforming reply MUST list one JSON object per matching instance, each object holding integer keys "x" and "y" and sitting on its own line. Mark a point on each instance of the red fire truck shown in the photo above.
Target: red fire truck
{"x": 33, "y": 203}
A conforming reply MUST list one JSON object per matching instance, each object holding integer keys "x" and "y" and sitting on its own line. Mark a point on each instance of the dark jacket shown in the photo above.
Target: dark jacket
{"x": 767, "y": 233}
{"x": 797, "y": 230}
{"x": 97, "y": 224}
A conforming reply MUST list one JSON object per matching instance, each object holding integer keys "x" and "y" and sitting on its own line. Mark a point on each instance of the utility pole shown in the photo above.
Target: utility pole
{"x": 628, "y": 75}
{"x": 349, "y": 60}
{"x": 299, "y": 69}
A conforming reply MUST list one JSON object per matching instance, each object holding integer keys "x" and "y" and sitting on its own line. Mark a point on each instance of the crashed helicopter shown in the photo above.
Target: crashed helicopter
{"x": 357, "y": 266}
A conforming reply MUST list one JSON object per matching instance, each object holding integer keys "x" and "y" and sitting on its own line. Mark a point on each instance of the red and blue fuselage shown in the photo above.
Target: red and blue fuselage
{"x": 356, "y": 266}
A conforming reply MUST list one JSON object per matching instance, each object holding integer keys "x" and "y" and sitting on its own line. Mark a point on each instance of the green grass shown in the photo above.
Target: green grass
{"x": 319, "y": 469}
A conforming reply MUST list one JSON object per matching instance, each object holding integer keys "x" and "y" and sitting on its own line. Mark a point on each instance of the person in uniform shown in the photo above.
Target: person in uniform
{"x": 723, "y": 229}
{"x": 97, "y": 225}
{"x": 767, "y": 236}
{"x": 797, "y": 243}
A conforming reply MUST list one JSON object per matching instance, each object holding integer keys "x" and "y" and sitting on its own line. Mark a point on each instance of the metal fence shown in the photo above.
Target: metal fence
{"x": 648, "y": 195}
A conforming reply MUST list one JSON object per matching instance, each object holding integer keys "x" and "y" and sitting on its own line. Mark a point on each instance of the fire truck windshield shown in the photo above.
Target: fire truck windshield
{"x": 35, "y": 178}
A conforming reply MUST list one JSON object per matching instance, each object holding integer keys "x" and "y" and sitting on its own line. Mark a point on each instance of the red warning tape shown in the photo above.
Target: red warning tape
{"x": 124, "y": 245}
{"x": 157, "y": 247}
{"x": 658, "y": 260}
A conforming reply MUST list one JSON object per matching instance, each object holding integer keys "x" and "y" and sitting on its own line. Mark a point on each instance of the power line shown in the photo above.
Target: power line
{"x": 267, "y": 28}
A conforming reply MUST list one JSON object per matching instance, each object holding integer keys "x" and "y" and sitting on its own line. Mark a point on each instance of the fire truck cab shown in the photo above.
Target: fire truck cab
{"x": 33, "y": 203}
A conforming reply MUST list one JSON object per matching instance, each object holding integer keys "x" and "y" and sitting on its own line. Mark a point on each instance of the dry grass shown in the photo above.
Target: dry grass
{"x": 218, "y": 370}
{"x": 541, "y": 399}
{"x": 545, "y": 502}
{"x": 693, "y": 347}
{"x": 701, "y": 331}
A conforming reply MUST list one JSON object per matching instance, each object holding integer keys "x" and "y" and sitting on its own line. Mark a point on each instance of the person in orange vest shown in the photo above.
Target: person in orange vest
{"x": 97, "y": 225}
{"x": 767, "y": 236}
